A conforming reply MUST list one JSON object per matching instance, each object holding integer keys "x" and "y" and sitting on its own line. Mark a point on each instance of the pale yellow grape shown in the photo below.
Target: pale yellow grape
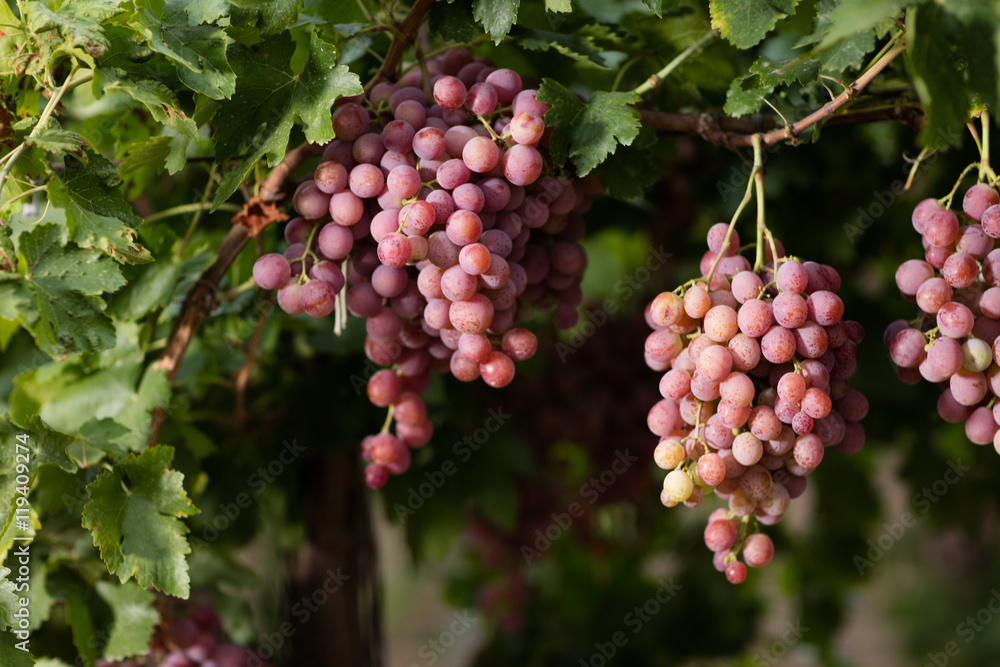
{"x": 678, "y": 486}
{"x": 669, "y": 454}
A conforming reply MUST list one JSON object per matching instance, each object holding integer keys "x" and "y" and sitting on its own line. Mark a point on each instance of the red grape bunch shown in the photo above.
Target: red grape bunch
{"x": 756, "y": 366}
{"x": 441, "y": 222}
{"x": 188, "y": 636}
{"x": 954, "y": 339}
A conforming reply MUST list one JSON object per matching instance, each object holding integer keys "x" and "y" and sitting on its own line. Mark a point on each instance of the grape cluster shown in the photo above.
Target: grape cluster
{"x": 439, "y": 222}
{"x": 954, "y": 340}
{"x": 190, "y": 636}
{"x": 755, "y": 388}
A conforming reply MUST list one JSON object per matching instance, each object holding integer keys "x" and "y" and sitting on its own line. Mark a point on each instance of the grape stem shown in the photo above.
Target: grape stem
{"x": 303, "y": 278}
{"x": 946, "y": 200}
{"x": 758, "y": 179}
{"x": 717, "y": 130}
{"x": 693, "y": 50}
{"x": 758, "y": 164}
{"x": 493, "y": 134}
{"x": 388, "y": 421}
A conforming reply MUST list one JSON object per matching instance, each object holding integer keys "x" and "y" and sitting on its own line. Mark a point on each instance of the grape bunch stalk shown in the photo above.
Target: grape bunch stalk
{"x": 440, "y": 220}
{"x": 756, "y": 363}
{"x": 955, "y": 339}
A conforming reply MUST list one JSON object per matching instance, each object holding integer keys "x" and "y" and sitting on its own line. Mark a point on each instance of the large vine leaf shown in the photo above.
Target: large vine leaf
{"x": 75, "y": 397}
{"x": 848, "y": 52}
{"x": 452, "y": 21}
{"x": 134, "y": 512}
{"x": 55, "y": 294}
{"x": 270, "y": 97}
{"x": 497, "y": 16}
{"x": 96, "y": 212}
{"x": 54, "y": 139}
{"x": 198, "y": 51}
{"x": 588, "y": 131}
{"x": 81, "y": 623}
{"x": 934, "y": 64}
{"x": 577, "y": 47}
{"x": 746, "y": 94}
{"x": 252, "y": 20}
{"x": 11, "y": 656}
{"x": 854, "y": 16}
{"x": 746, "y": 22}
{"x": 194, "y": 12}
{"x": 159, "y": 100}
{"x": 78, "y": 22}
{"x": 134, "y": 619}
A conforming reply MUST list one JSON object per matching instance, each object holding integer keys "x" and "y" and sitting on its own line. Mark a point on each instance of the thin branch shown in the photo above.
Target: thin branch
{"x": 721, "y": 130}
{"x": 692, "y": 51}
{"x": 828, "y": 109}
{"x": 270, "y": 187}
{"x": 407, "y": 31}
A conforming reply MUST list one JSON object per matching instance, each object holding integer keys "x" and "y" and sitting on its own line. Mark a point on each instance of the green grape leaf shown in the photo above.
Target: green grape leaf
{"x": 631, "y": 169}
{"x": 194, "y": 12}
{"x": 11, "y": 42}
{"x": 846, "y": 53}
{"x": 744, "y": 23}
{"x": 81, "y": 623}
{"x": 135, "y": 618}
{"x": 199, "y": 52}
{"x": 78, "y": 22}
{"x": 8, "y": 484}
{"x": 575, "y": 46}
{"x": 134, "y": 512}
{"x": 8, "y": 597}
{"x": 53, "y": 139}
{"x": 781, "y": 73}
{"x": 655, "y": 6}
{"x": 8, "y": 256}
{"x": 150, "y": 154}
{"x": 70, "y": 395}
{"x": 56, "y": 293}
{"x": 10, "y": 655}
{"x": 497, "y": 16}
{"x": 258, "y": 120}
{"x": 932, "y": 64}
{"x": 97, "y": 438}
{"x": 96, "y": 212}
{"x": 452, "y": 22}
{"x": 157, "y": 98}
{"x": 854, "y": 16}
{"x": 745, "y": 96}
{"x": 974, "y": 28}
{"x": 48, "y": 445}
{"x": 253, "y": 20}
{"x": 588, "y": 131}
{"x": 563, "y": 6}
